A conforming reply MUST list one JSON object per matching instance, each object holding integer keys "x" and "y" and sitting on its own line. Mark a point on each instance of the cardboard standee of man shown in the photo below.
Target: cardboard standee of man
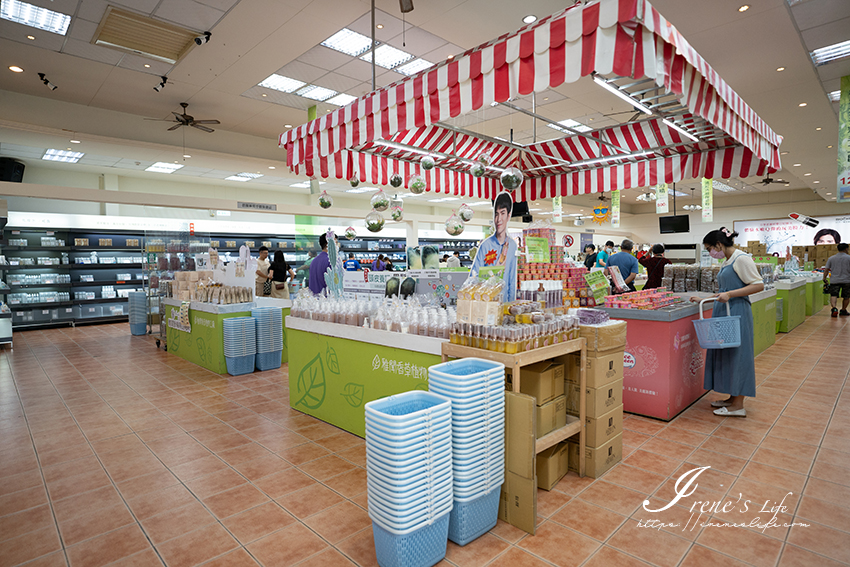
{"x": 499, "y": 249}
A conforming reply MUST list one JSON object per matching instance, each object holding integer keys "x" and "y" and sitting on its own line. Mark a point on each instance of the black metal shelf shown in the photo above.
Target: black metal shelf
{"x": 105, "y": 249}
{"x": 36, "y": 248}
{"x": 27, "y": 286}
{"x": 107, "y": 282}
{"x": 106, "y": 266}
{"x": 41, "y": 305}
{"x": 92, "y": 301}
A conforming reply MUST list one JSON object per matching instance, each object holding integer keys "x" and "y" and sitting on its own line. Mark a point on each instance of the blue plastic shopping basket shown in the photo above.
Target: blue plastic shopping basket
{"x": 718, "y": 332}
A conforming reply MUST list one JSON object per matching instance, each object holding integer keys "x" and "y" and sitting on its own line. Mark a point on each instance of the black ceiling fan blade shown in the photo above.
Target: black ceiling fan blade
{"x": 204, "y": 128}
{"x": 175, "y": 127}
{"x": 207, "y": 122}
{"x": 178, "y": 115}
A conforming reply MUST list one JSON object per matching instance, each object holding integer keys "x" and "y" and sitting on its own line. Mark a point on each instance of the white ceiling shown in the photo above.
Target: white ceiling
{"x": 104, "y": 95}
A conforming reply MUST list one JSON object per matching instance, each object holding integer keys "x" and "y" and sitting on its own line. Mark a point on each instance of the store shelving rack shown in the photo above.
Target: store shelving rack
{"x": 104, "y": 274}
{"x": 515, "y": 363}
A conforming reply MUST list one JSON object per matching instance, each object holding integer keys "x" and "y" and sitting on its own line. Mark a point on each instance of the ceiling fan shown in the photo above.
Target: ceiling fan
{"x": 768, "y": 180}
{"x": 188, "y": 120}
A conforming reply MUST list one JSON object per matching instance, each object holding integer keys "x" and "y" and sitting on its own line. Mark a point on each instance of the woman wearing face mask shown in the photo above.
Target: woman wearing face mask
{"x": 732, "y": 370}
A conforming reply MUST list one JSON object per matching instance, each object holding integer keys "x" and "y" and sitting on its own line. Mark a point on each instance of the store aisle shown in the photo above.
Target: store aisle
{"x": 115, "y": 453}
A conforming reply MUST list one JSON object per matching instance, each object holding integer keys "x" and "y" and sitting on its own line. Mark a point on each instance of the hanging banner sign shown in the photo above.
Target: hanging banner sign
{"x": 844, "y": 142}
{"x": 662, "y": 205}
{"x": 615, "y": 209}
{"x": 707, "y": 200}
{"x": 558, "y": 212}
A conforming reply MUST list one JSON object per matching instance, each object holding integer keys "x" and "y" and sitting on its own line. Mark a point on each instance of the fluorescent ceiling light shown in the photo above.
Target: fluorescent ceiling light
{"x": 163, "y": 167}
{"x": 243, "y": 176}
{"x": 304, "y": 184}
{"x": 341, "y": 99}
{"x": 443, "y": 200}
{"x": 611, "y": 158}
{"x": 62, "y": 155}
{"x": 348, "y": 42}
{"x": 316, "y": 93}
{"x": 414, "y": 67}
{"x": 479, "y": 204}
{"x": 720, "y": 186}
{"x": 613, "y": 89}
{"x": 361, "y": 190}
{"x": 679, "y": 193}
{"x": 831, "y": 53}
{"x": 387, "y": 56}
{"x": 281, "y": 83}
{"x": 572, "y": 124}
{"x": 680, "y": 130}
{"x": 34, "y": 16}
{"x": 834, "y": 96}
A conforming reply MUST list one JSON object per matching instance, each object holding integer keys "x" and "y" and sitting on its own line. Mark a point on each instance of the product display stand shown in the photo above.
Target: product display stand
{"x": 793, "y": 296}
{"x": 764, "y": 320}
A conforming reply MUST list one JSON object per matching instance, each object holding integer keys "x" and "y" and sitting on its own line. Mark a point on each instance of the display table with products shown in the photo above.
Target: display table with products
{"x": 663, "y": 362}
{"x": 814, "y": 290}
{"x": 335, "y": 369}
{"x": 203, "y": 343}
{"x": 764, "y": 320}
{"x": 793, "y": 296}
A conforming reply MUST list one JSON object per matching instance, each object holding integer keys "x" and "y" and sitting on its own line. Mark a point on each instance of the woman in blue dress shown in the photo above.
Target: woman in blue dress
{"x": 732, "y": 370}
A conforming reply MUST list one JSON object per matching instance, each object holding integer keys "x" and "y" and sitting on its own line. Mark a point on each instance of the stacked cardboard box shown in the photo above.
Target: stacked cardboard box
{"x": 756, "y": 248}
{"x": 603, "y": 396}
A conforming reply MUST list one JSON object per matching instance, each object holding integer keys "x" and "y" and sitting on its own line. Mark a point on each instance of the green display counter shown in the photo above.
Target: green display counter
{"x": 793, "y": 295}
{"x": 764, "y": 319}
{"x": 204, "y": 344}
{"x": 814, "y": 291}
{"x": 334, "y": 370}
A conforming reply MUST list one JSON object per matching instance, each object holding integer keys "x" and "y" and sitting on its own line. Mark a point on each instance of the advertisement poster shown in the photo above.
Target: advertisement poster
{"x": 598, "y": 284}
{"x": 585, "y": 238}
{"x": 537, "y": 249}
{"x": 844, "y": 142}
{"x": 615, "y": 209}
{"x": 557, "y": 209}
{"x": 500, "y": 249}
{"x": 662, "y": 204}
{"x": 779, "y": 233}
{"x": 707, "y": 200}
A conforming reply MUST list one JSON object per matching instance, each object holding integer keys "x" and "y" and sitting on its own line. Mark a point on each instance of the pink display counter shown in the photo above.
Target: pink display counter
{"x": 663, "y": 362}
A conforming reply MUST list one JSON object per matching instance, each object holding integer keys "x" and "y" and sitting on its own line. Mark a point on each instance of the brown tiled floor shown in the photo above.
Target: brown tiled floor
{"x": 115, "y": 453}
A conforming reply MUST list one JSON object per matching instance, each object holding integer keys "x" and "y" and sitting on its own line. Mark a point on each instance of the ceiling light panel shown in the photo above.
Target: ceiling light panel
{"x": 722, "y": 187}
{"x": 34, "y": 16}
{"x": 164, "y": 167}
{"x": 315, "y": 92}
{"x": 341, "y": 99}
{"x": 414, "y": 67}
{"x": 62, "y": 155}
{"x": 831, "y": 53}
{"x": 572, "y": 124}
{"x": 281, "y": 83}
{"x": 244, "y": 176}
{"x": 134, "y": 33}
{"x": 834, "y": 96}
{"x": 443, "y": 200}
{"x": 388, "y": 57}
{"x": 349, "y": 42}
{"x": 679, "y": 193}
{"x": 361, "y": 190}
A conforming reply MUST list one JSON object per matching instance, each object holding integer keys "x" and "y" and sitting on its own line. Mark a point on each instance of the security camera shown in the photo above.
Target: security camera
{"x": 202, "y": 39}
{"x": 47, "y": 83}
{"x": 161, "y": 85}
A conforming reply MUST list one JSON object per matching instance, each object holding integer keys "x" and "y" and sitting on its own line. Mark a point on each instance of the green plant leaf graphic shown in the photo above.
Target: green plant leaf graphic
{"x": 311, "y": 384}
{"x": 209, "y": 355}
{"x": 333, "y": 362}
{"x": 202, "y": 349}
{"x": 174, "y": 344}
{"x": 353, "y": 394}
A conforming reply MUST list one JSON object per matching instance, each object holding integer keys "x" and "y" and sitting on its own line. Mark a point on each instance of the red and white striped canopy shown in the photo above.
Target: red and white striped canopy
{"x": 626, "y": 38}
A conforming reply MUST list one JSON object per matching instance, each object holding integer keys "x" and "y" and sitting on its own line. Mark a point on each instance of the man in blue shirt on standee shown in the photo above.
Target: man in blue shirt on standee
{"x": 351, "y": 265}
{"x": 626, "y": 263}
{"x": 499, "y": 249}
{"x": 319, "y": 266}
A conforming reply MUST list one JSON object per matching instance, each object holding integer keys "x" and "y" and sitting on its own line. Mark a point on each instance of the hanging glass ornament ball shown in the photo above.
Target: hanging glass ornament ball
{"x": 325, "y": 200}
{"x": 380, "y": 202}
{"x": 350, "y": 233}
{"x": 354, "y": 182}
{"x": 397, "y": 212}
{"x": 454, "y": 226}
{"x": 477, "y": 169}
{"x": 485, "y": 159}
{"x": 416, "y": 184}
{"x": 374, "y": 222}
{"x": 465, "y": 212}
{"x": 511, "y": 178}
{"x": 396, "y": 180}
{"x": 428, "y": 163}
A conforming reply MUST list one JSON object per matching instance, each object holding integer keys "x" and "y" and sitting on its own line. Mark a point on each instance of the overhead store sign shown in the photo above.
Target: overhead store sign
{"x": 662, "y": 204}
{"x": 256, "y": 206}
{"x": 558, "y": 211}
{"x": 844, "y": 142}
{"x": 615, "y": 209}
{"x": 707, "y": 200}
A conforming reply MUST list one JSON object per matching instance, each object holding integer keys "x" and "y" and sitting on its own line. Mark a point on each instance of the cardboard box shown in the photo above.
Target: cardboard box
{"x": 599, "y": 430}
{"x": 518, "y": 501}
{"x": 598, "y": 401}
{"x": 552, "y": 465}
{"x": 543, "y": 380}
{"x": 602, "y": 338}
{"x": 597, "y": 460}
{"x": 553, "y": 415}
{"x": 602, "y": 369}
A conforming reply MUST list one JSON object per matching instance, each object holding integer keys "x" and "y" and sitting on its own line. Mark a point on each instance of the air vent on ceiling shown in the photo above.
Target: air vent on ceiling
{"x": 132, "y": 33}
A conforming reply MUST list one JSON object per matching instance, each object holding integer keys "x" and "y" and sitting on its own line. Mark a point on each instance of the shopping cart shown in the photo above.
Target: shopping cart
{"x": 718, "y": 332}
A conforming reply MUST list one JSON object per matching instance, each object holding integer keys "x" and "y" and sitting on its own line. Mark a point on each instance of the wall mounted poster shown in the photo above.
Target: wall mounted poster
{"x": 662, "y": 202}
{"x": 779, "y": 233}
{"x": 844, "y": 142}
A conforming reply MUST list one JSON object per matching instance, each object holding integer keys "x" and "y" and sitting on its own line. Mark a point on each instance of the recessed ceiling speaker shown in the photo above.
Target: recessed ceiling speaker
{"x": 11, "y": 170}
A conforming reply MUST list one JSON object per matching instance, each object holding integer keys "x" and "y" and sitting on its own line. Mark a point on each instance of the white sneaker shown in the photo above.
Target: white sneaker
{"x": 724, "y": 412}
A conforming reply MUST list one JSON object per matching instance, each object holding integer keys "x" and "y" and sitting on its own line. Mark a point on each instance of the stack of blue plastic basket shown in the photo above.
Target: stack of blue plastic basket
{"x": 138, "y": 313}
{"x": 240, "y": 344}
{"x": 476, "y": 389}
{"x": 409, "y": 477}
{"x": 269, "y": 336}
